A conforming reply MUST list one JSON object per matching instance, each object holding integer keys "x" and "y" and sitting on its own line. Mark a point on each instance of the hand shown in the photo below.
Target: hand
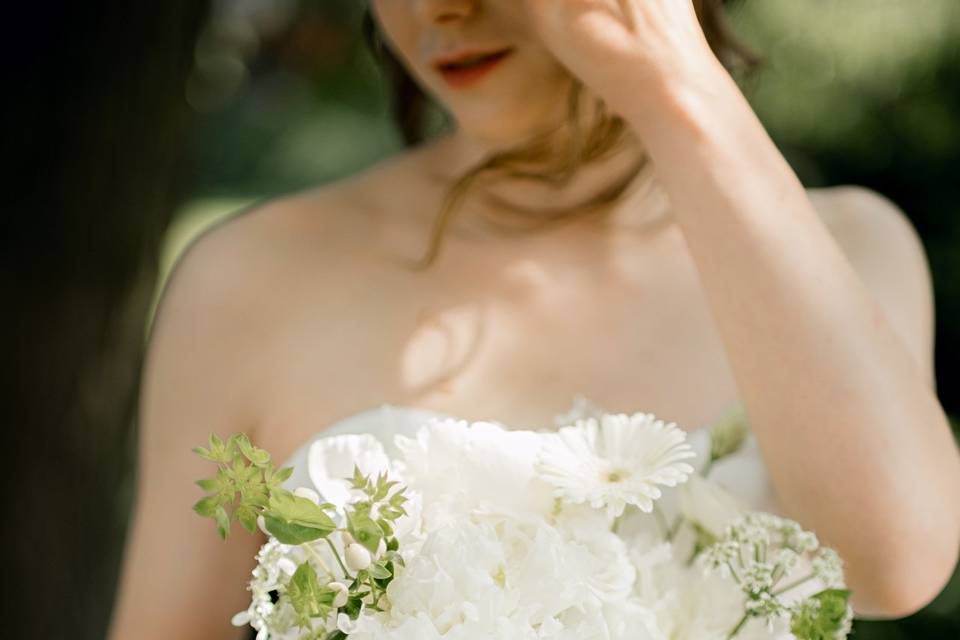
{"x": 619, "y": 48}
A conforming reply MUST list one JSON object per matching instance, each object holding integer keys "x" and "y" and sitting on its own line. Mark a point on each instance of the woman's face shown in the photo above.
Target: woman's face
{"x": 520, "y": 94}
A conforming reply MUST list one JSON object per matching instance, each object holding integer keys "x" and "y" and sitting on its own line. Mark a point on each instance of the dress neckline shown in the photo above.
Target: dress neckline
{"x": 580, "y": 404}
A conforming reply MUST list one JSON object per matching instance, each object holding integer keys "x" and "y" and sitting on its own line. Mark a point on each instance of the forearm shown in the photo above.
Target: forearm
{"x": 857, "y": 444}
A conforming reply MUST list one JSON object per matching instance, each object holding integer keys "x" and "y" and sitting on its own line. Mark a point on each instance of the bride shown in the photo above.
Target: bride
{"x": 682, "y": 270}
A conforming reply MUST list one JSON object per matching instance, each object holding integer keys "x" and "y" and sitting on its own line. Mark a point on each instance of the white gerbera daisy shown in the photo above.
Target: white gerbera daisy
{"x": 616, "y": 461}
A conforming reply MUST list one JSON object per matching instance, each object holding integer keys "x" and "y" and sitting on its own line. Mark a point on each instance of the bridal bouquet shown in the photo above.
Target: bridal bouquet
{"x": 600, "y": 529}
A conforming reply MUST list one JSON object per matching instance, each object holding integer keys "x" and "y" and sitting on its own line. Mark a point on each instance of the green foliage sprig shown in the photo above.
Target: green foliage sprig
{"x": 244, "y": 482}
{"x": 246, "y": 488}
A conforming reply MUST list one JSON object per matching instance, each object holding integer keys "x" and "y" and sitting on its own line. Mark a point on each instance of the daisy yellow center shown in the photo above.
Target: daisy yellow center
{"x": 614, "y": 476}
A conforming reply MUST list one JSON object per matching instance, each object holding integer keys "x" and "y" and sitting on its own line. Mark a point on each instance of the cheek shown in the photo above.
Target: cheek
{"x": 396, "y": 23}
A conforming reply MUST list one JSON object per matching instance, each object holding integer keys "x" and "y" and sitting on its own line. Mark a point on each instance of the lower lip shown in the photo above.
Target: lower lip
{"x": 468, "y": 76}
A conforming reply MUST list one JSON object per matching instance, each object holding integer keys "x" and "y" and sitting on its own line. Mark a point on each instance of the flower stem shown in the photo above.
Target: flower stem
{"x": 794, "y": 584}
{"x": 739, "y": 626}
{"x": 733, "y": 573}
{"x": 316, "y": 556}
{"x": 707, "y": 467}
{"x": 674, "y": 528}
{"x": 336, "y": 555}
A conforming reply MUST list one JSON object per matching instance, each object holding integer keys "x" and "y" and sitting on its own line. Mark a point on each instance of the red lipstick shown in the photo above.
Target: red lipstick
{"x": 466, "y": 69}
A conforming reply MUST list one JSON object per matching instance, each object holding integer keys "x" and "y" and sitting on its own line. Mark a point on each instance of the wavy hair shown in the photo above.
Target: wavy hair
{"x": 544, "y": 158}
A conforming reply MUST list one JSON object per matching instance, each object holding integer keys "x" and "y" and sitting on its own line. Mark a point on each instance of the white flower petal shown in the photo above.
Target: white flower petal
{"x": 616, "y": 461}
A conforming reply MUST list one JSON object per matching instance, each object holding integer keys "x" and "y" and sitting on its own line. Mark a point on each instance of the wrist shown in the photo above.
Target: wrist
{"x": 677, "y": 96}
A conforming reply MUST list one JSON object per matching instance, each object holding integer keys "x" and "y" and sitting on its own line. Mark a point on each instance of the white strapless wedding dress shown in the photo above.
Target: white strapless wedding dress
{"x": 742, "y": 473}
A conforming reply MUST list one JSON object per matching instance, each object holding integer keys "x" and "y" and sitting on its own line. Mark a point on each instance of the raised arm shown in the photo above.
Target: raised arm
{"x": 834, "y": 370}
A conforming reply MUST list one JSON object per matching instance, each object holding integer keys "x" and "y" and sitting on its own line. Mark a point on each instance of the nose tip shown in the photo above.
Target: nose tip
{"x": 446, "y": 11}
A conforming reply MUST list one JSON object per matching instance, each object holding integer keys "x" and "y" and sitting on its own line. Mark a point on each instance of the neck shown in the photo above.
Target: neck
{"x": 455, "y": 153}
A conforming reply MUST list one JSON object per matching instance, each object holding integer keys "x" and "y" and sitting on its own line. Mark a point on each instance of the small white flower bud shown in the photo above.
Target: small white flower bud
{"x": 341, "y": 591}
{"x": 358, "y": 558}
{"x": 308, "y": 493}
{"x": 241, "y": 619}
{"x": 381, "y": 548}
{"x": 262, "y": 524}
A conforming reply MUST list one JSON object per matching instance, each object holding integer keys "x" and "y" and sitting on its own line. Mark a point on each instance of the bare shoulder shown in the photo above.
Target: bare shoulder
{"x": 236, "y": 258}
{"x": 213, "y": 349}
{"x": 855, "y": 213}
{"x": 227, "y": 286}
{"x": 242, "y": 286}
{"x": 884, "y": 248}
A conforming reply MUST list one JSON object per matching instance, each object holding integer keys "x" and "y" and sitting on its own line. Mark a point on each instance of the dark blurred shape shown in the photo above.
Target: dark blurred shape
{"x": 95, "y": 119}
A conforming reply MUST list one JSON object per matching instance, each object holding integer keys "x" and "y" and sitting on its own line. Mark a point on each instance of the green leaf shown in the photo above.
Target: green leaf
{"x": 377, "y": 570}
{"x": 821, "y": 615}
{"x": 247, "y": 517}
{"x": 353, "y": 607}
{"x": 242, "y": 442}
{"x": 394, "y": 557}
{"x": 304, "y": 593}
{"x": 383, "y": 487}
{"x": 364, "y": 530}
{"x": 359, "y": 481}
{"x": 729, "y": 433}
{"x": 704, "y": 537}
{"x": 257, "y": 496}
{"x": 237, "y": 469}
{"x": 283, "y": 474}
{"x": 300, "y": 511}
{"x": 255, "y": 455}
{"x": 260, "y": 457}
{"x": 209, "y": 485}
{"x": 223, "y": 522}
{"x": 217, "y": 449}
{"x": 206, "y": 454}
{"x": 391, "y": 514}
{"x": 289, "y": 533}
{"x": 207, "y": 506}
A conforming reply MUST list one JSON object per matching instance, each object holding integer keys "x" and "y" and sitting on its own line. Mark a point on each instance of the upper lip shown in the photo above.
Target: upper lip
{"x": 464, "y": 54}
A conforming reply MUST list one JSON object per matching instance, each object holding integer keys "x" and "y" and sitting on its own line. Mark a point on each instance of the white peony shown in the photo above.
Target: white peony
{"x": 457, "y": 466}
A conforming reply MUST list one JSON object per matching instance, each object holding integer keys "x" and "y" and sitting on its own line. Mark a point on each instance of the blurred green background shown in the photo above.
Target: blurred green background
{"x": 858, "y": 91}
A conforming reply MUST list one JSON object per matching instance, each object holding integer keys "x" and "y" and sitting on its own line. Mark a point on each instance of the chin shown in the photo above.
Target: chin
{"x": 519, "y": 114}
{"x": 505, "y": 124}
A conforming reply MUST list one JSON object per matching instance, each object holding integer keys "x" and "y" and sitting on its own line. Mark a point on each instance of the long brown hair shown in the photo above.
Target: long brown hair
{"x": 553, "y": 162}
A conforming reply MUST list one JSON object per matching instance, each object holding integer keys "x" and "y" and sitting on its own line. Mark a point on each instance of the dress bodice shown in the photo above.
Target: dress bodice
{"x": 743, "y": 473}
